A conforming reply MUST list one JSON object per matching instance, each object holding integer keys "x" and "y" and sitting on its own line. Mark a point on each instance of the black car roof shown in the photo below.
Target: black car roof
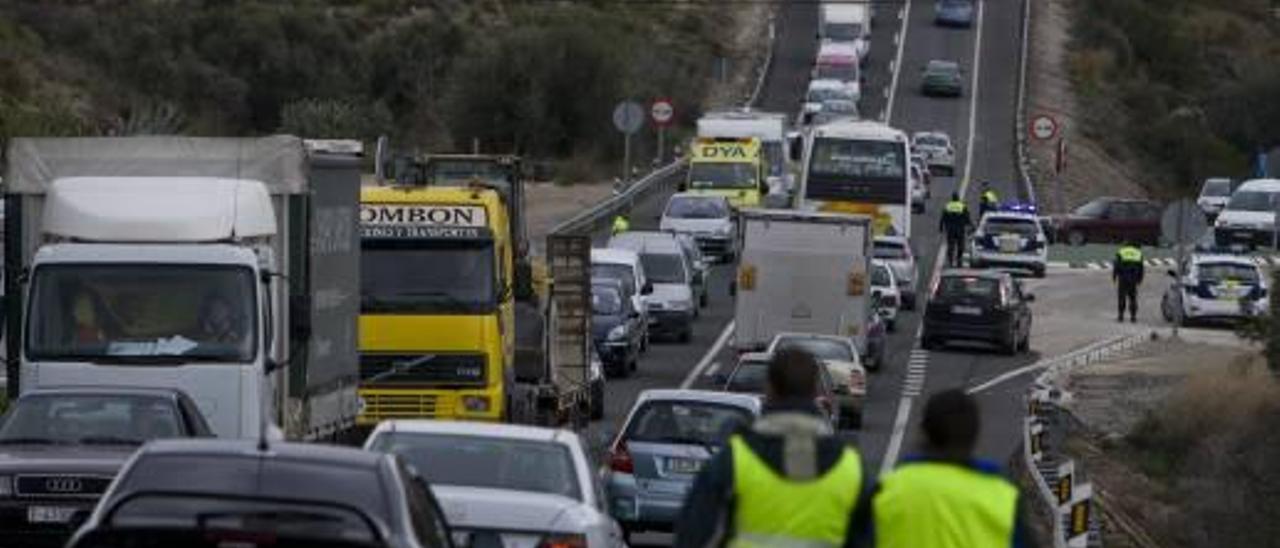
{"x": 295, "y": 471}
{"x": 974, "y": 273}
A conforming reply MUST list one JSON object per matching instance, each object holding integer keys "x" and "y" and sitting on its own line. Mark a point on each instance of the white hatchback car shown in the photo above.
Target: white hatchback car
{"x": 937, "y": 150}
{"x": 897, "y": 252}
{"x": 1216, "y": 288}
{"x": 503, "y": 484}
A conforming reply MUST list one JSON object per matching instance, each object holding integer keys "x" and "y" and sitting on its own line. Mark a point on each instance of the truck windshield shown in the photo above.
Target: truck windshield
{"x": 427, "y": 276}
{"x": 119, "y": 313}
{"x": 842, "y": 32}
{"x": 714, "y": 175}
{"x": 844, "y": 72}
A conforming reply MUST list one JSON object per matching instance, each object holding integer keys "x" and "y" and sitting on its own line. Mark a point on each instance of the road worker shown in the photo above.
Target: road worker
{"x": 785, "y": 481}
{"x": 945, "y": 498}
{"x": 988, "y": 200}
{"x": 620, "y": 224}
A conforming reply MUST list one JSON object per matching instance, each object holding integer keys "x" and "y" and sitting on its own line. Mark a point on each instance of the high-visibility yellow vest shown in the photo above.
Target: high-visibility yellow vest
{"x": 955, "y": 206}
{"x": 774, "y": 511}
{"x": 943, "y": 505}
{"x": 990, "y": 197}
{"x": 1129, "y": 254}
{"x": 620, "y": 225}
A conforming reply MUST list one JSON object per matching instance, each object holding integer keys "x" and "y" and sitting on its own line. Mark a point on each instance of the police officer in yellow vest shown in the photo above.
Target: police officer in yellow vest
{"x": 786, "y": 481}
{"x": 955, "y": 223}
{"x": 946, "y": 498}
{"x": 988, "y": 200}
{"x": 1126, "y": 273}
{"x": 620, "y": 224}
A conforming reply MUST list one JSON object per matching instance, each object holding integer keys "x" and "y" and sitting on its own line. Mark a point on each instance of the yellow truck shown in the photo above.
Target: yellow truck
{"x": 730, "y": 167}
{"x": 450, "y": 327}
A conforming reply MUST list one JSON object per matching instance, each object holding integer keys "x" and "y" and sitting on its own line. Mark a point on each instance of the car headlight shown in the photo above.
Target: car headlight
{"x": 679, "y": 305}
{"x": 6, "y": 486}
{"x": 618, "y": 333}
{"x": 724, "y": 230}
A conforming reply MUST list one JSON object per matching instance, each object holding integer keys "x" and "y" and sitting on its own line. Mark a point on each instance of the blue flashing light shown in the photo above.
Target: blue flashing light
{"x": 1018, "y": 207}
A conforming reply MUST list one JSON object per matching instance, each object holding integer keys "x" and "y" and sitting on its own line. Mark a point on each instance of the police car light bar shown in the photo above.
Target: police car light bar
{"x": 1018, "y": 207}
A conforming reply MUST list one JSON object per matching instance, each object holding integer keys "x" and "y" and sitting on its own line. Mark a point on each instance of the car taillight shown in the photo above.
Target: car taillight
{"x": 620, "y": 459}
{"x": 565, "y": 540}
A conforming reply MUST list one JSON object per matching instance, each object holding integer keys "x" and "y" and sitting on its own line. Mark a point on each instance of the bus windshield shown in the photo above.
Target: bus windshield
{"x": 119, "y": 313}
{"x": 427, "y": 276}
{"x": 716, "y": 175}
{"x": 867, "y": 170}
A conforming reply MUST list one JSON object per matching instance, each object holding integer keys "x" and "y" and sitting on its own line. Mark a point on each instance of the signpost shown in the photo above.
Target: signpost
{"x": 1182, "y": 224}
{"x": 628, "y": 117}
{"x": 662, "y": 113}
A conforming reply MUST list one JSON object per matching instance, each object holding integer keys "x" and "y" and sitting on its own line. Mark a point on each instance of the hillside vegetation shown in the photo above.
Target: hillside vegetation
{"x": 535, "y": 76}
{"x": 1190, "y": 85}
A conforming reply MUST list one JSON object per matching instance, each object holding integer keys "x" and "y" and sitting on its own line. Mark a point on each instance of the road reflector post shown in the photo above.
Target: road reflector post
{"x": 1062, "y": 487}
{"x": 1079, "y": 516}
{"x": 1035, "y": 438}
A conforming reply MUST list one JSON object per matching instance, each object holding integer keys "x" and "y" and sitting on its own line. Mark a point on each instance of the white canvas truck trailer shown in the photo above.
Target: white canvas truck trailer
{"x": 227, "y": 268}
{"x": 804, "y": 272}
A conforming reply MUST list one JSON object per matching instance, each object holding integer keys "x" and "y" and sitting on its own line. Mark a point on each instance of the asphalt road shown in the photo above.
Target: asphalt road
{"x": 910, "y": 374}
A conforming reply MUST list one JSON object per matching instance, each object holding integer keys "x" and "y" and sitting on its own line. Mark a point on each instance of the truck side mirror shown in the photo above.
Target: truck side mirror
{"x": 647, "y": 289}
{"x": 795, "y": 144}
{"x": 523, "y": 290}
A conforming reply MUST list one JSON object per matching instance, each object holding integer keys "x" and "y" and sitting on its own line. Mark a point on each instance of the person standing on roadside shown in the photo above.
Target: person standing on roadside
{"x": 946, "y": 498}
{"x": 987, "y": 201}
{"x": 620, "y": 224}
{"x": 955, "y": 223}
{"x": 785, "y": 481}
{"x": 1126, "y": 273}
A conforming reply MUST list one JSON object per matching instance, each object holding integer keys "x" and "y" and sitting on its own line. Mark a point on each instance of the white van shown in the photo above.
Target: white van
{"x": 1250, "y": 215}
{"x": 846, "y": 23}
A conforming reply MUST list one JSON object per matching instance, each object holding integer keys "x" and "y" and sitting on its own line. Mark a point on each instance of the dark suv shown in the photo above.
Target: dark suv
{"x": 1109, "y": 220}
{"x": 981, "y": 306}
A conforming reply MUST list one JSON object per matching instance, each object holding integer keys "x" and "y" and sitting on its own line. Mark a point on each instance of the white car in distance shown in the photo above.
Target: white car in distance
{"x": 503, "y": 484}
{"x": 897, "y": 253}
{"x": 884, "y": 286}
{"x": 937, "y": 150}
{"x": 708, "y": 219}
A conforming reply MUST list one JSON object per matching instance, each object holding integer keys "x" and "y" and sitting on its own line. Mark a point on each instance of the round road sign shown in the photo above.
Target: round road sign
{"x": 1044, "y": 127}
{"x": 628, "y": 117}
{"x": 662, "y": 112}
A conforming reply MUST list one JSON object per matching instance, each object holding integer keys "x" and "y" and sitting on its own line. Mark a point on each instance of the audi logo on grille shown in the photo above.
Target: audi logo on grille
{"x": 63, "y": 485}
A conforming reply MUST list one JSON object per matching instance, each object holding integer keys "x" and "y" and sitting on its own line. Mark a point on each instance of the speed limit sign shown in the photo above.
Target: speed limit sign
{"x": 662, "y": 112}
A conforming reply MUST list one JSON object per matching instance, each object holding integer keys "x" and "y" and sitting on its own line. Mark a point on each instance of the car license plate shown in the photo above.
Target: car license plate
{"x": 50, "y": 514}
{"x": 684, "y": 466}
{"x": 966, "y": 310}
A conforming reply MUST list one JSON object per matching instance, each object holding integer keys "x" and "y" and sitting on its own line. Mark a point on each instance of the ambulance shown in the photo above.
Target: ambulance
{"x": 731, "y": 167}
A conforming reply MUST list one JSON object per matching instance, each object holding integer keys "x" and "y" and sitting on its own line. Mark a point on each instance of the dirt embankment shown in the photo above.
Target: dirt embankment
{"x": 1091, "y": 170}
{"x": 1179, "y": 440}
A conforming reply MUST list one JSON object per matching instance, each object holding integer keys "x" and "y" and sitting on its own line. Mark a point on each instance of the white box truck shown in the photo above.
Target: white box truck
{"x": 803, "y": 272}
{"x": 224, "y": 267}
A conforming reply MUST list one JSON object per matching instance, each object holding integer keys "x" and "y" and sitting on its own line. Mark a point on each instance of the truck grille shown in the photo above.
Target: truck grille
{"x": 423, "y": 369}
{"x": 381, "y": 406}
{"x": 61, "y": 485}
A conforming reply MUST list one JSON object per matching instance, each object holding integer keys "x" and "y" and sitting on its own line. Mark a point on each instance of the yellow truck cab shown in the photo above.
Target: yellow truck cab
{"x": 436, "y": 303}
{"x": 729, "y": 167}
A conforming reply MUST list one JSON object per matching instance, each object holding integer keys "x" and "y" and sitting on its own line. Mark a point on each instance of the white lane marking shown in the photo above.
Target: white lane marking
{"x": 911, "y": 390}
{"x": 896, "y": 37}
{"x": 710, "y": 355}
{"x": 1008, "y": 375}
{"x": 905, "y": 16}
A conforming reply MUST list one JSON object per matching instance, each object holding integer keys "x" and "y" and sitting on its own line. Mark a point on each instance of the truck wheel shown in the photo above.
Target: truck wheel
{"x": 1038, "y": 272}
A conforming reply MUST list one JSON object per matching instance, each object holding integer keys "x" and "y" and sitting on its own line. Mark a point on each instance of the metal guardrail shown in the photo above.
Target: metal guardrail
{"x": 1020, "y": 115}
{"x": 1058, "y": 477}
{"x": 623, "y": 201}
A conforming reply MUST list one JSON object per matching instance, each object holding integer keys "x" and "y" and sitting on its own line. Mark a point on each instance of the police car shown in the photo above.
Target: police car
{"x": 1010, "y": 237}
{"x": 1216, "y": 287}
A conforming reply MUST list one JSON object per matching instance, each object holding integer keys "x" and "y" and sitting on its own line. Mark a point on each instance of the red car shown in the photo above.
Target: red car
{"x": 1109, "y": 220}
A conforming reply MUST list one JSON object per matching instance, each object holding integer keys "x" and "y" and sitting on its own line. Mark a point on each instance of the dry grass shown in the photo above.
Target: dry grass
{"x": 1214, "y": 445}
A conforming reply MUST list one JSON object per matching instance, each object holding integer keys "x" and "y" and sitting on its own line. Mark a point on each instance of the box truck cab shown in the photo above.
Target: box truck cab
{"x": 155, "y": 275}
{"x": 729, "y": 167}
{"x": 846, "y": 23}
{"x": 859, "y": 167}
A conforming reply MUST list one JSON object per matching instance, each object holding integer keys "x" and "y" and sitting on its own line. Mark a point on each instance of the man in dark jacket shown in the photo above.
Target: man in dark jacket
{"x": 787, "y": 480}
{"x": 955, "y": 223}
